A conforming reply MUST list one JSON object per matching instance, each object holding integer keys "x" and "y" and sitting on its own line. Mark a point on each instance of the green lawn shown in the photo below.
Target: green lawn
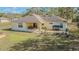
{"x": 76, "y": 32}
{"x": 13, "y": 37}
{"x": 5, "y": 24}
{"x": 18, "y": 36}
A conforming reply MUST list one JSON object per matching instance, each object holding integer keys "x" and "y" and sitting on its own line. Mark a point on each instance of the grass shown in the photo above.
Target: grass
{"x": 13, "y": 37}
{"x": 18, "y": 36}
{"x": 76, "y": 32}
{"x": 5, "y": 25}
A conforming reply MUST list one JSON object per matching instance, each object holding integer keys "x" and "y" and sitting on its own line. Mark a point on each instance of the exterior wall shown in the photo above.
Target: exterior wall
{"x": 57, "y": 23}
{"x": 4, "y": 21}
{"x": 49, "y": 26}
{"x": 40, "y": 26}
{"x": 24, "y": 28}
{"x": 15, "y": 27}
{"x": 65, "y": 26}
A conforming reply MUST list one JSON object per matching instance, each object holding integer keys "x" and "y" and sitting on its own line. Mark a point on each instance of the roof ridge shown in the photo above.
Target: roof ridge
{"x": 39, "y": 18}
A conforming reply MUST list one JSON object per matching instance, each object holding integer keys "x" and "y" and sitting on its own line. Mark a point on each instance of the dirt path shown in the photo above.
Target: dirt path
{"x": 5, "y": 44}
{"x": 2, "y": 36}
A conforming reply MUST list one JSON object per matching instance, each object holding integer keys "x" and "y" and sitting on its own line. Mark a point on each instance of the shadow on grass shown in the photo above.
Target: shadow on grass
{"x": 53, "y": 43}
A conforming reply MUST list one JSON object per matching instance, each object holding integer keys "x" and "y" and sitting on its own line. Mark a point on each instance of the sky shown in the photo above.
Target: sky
{"x": 13, "y": 9}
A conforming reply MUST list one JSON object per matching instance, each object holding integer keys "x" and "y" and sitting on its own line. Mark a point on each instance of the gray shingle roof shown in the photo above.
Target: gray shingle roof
{"x": 53, "y": 19}
{"x": 35, "y": 20}
{"x": 27, "y": 19}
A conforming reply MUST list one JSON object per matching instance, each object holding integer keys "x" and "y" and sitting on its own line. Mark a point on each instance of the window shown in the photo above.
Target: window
{"x": 51, "y": 23}
{"x": 57, "y": 27}
{"x": 20, "y": 25}
{"x": 61, "y": 25}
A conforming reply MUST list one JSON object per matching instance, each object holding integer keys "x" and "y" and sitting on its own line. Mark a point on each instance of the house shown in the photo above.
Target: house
{"x": 3, "y": 19}
{"x": 31, "y": 23}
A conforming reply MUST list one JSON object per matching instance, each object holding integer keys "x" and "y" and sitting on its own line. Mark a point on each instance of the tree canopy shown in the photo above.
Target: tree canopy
{"x": 69, "y": 13}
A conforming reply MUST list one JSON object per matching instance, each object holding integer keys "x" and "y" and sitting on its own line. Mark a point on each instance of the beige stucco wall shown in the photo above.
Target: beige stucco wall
{"x": 48, "y": 26}
{"x": 4, "y": 21}
{"x": 15, "y": 27}
{"x": 24, "y": 28}
{"x": 57, "y": 23}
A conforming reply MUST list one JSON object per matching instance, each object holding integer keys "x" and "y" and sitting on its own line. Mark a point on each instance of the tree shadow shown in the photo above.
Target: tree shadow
{"x": 44, "y": 44}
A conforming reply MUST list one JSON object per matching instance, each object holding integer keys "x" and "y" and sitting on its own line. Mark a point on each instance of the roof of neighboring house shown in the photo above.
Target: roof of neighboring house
{"x": 37, "y": 18}
{"x": 3, "y": 18}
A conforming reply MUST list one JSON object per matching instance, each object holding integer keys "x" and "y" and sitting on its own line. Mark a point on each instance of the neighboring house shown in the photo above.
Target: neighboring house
{"x": 3, "y": 19}
{"x": 31, "y": 23}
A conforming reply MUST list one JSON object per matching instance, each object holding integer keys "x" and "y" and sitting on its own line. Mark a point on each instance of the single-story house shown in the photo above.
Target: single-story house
{"x": 31, "y": 23}
{"x": 3, "y": 19}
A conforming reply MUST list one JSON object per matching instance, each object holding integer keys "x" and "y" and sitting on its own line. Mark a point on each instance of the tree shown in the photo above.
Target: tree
{"x": 49, "y": 42}
{"x": 76, "y": 15}
{"x": 52, "y": 11}
{"x": 66, "y": 12}
{"x": 36, "y": 10}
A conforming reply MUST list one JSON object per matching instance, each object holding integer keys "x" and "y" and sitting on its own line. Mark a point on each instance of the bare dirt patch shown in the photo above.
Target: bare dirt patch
{"x": 2, "y": 35}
